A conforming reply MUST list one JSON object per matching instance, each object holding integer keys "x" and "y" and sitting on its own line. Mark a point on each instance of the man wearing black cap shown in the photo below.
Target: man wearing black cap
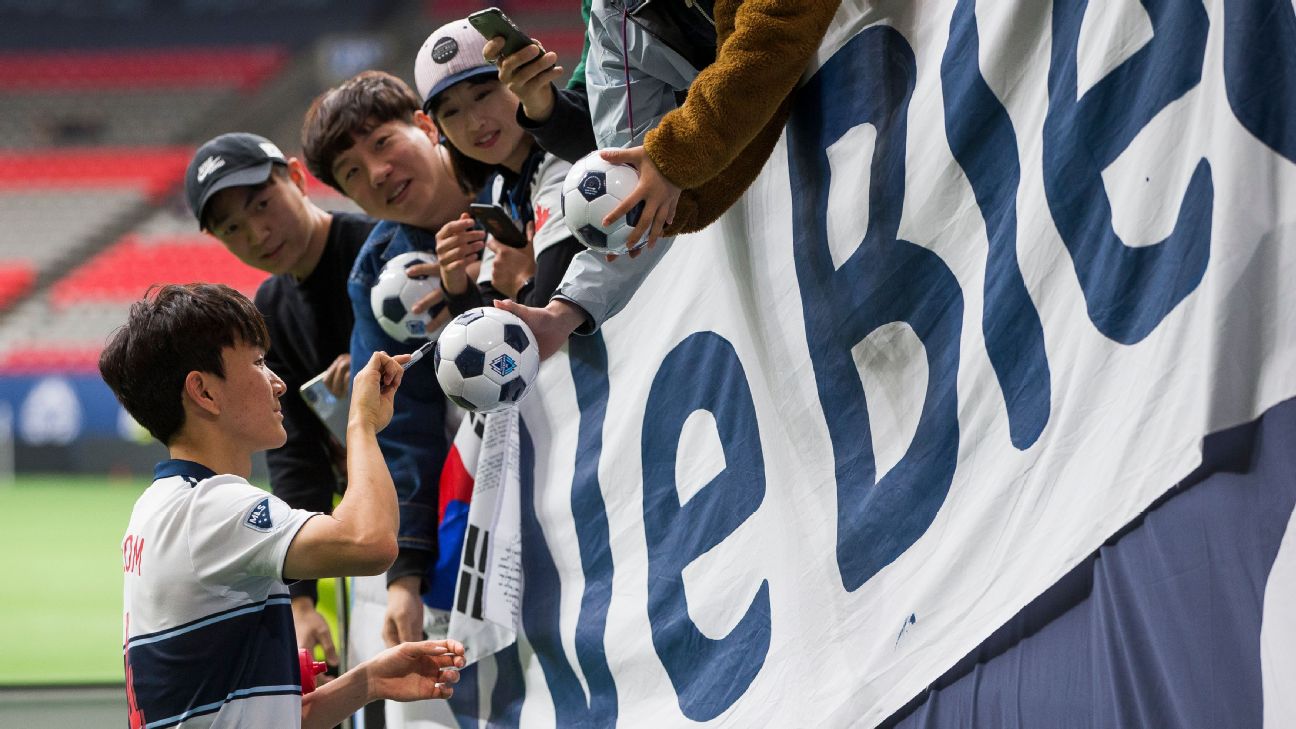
{"x": 250, "y": 197}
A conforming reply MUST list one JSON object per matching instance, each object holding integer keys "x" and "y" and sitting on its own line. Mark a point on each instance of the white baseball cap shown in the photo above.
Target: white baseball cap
{"x": 453, "y": 53}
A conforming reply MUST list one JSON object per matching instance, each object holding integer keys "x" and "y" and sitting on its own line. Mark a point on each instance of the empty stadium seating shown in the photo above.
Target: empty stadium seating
{"x": 95, "y": 142}
{"x": 90, "y": 141}
{"x": 127, "y": 97}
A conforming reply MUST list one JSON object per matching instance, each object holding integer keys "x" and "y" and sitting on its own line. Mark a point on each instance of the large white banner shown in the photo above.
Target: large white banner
{"x": 1009, "y": 265}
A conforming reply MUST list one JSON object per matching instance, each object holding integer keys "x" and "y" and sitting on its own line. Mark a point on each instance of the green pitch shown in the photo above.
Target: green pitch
{"x": 60, "y": 592}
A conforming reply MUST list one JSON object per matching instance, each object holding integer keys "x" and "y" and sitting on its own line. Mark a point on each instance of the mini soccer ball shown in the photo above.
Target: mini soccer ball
{"x": 396, "y": 291}
{"x": 486, "y": 359}
{"x": 592, "y": 189}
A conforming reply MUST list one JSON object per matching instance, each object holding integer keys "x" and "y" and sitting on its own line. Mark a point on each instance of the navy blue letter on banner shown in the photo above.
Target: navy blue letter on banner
{"x": 1128, "y": 291}
{"x": 1260, "y": 69}
{"x": 542, "y": 589}
{"x": 885, "y": 280}
{"x": 983, "y": 141}
{"x": 702, "y": 373}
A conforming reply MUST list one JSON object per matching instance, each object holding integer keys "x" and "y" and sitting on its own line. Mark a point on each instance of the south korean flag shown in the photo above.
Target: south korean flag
{"x": 488, "y": 592}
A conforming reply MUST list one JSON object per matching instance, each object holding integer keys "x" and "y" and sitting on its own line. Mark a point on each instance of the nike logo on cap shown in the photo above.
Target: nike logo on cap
{"x": 209, "y": 165}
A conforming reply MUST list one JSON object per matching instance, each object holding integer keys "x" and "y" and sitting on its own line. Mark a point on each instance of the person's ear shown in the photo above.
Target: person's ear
{"x": 199, "y": 389}
{"x": 429, "y": 127}
{"x": 297, "y": 173}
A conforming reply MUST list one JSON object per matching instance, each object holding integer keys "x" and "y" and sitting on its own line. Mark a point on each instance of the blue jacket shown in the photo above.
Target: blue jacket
{"x": 415, "y": 443}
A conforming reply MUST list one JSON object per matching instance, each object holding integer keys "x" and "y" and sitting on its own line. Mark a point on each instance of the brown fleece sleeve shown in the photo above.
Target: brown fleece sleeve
{"x": 763, "y": 49}
{"x": 701, "y": 206}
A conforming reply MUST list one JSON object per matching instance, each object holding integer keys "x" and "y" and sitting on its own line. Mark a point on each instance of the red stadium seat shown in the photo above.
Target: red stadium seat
{"x": 154, "y": 170}
{"x": 127, "y": 268}
{"x": 16, "y": 278}
{"x": 242, "y": 68}
{"x": 40, "y": 360}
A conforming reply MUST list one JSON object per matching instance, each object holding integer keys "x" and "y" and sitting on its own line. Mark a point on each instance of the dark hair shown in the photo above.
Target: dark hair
{"x": 357, "y": 106}
{"x": 172, "y": 331}
{"x": 277, "y": 169}
{"x": 471, "y": 174}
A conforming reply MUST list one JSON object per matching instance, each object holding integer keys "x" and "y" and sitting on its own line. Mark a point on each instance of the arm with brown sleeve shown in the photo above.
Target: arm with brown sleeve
{"x": 717, "y": 142}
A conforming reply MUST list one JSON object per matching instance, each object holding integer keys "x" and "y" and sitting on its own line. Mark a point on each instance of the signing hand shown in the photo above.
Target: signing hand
{"x": 375, "y": 386}
{"x": 659, "y": 196}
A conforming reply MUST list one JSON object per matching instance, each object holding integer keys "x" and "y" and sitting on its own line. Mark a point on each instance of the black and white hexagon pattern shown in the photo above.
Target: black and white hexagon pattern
{"x": 486, "y": 359}
{"x": 592, "y": 189}
{"x": 395, "y": 292}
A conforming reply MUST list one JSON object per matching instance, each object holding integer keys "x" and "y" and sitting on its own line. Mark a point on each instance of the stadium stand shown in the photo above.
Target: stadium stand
{"x": 90, "y": 143}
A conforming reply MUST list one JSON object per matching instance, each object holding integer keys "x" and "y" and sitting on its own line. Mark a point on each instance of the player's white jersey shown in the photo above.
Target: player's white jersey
{"x": 209, "y": 636}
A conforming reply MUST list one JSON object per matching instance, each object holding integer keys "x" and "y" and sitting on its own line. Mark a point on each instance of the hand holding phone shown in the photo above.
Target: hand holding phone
{"x": 498, "y": 223}
{"x": 493, "y": 22}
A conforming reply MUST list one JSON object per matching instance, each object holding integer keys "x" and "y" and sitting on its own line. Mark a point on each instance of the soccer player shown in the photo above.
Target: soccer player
{"x": 249, "y": 196}
{"x": 208, "y": 629}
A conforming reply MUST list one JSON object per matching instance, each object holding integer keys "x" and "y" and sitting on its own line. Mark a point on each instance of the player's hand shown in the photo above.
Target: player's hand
{"x": 313, "y": 631}
{"x": 513, "y": 267}
{"x": 551, "y": 325}
{"x": 658, "y": 194}
{"x": 337, "y": 378}
{"x": 530, "y": 74}
{"x": 426, "y": 669}
{"x": 375, "y": 386}
{"x": 403, "y": 620}
{"x": 457, "y": 244}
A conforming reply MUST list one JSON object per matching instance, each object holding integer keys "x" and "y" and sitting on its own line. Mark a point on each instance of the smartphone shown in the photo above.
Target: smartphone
{"x": 329, "y": 408}
{"x": 498, "y": 223}
{"x": 492, "y": 22}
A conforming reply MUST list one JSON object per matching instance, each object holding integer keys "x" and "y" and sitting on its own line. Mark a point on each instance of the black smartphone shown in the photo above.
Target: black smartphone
{"x": 498, "y": 223}
{"x": 492, "y": 22}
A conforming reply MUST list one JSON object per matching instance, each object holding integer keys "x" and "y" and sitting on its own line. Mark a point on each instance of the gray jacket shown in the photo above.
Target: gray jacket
{"x": 636, "y": 69}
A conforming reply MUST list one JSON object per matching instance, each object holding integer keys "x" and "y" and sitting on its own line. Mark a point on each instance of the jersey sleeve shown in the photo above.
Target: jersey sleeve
{"x": 546, "y": 203}
{"x": 236, "y": 531}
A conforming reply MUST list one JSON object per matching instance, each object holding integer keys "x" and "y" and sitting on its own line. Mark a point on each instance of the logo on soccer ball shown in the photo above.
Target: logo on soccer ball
{"x": 503, "y": 365}
{"x": 416, "y": 327}
{"x": 593, "y": 185}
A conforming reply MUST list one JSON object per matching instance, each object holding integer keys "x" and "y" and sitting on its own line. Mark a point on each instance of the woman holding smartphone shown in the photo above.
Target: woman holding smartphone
{"x": 476, "y": 113}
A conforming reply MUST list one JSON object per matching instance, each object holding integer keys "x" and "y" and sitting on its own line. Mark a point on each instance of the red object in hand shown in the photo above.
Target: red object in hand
{"x": 309, "y": 668}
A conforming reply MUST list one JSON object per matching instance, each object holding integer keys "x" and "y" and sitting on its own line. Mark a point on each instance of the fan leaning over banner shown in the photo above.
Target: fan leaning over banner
{"x": 250, "y": 197}
{"x": 208, "y": 628}
{"x": 694, "y": 161}
{"x": 368, "y": 139}
{"x": 465, "y": 99}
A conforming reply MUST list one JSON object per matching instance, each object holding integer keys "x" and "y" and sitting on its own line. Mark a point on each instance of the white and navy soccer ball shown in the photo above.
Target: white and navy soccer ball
{"x": 486, "y": 359}
{"x": 396, "y": 291}
{"x": 592, "y": 189}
